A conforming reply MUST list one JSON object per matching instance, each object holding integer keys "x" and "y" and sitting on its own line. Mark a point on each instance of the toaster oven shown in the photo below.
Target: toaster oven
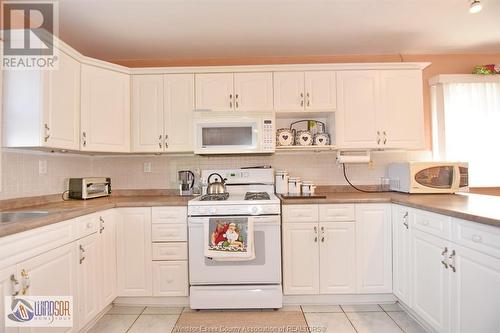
{"x": 88, "y": 188}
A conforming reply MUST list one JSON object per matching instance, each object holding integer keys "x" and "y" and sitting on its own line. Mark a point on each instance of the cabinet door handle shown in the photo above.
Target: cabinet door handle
{"x": 159, "y": 141}
{"x": 378, "y": 137}
{"x": 477, "y": 238}
{"x": 101, "y": 220}
{"x": 82, "y": 254}
{"x": 301, "y": 99}
{"x": 47, "y": 133}
{"x": 236, "y": 102}
{"x": 405, "y": 218}
{"x": 322, "y": 234}
{"x": 26, "y": 281}
{"x": 166, "y": 140}
{"x": 231, "y": 101}
{"x": 16, "y": 288}
{"x": 315, "y": 234}
{"x": 84, "y": 138}
{"x": 445, "y": 257}
{"x": 385, "y": 137}
{"x": 452, "y": 261}
{"x": 307, "y": 99}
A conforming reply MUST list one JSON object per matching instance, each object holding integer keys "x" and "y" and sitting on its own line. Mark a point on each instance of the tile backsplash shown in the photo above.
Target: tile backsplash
{"x": 21, "y": 176}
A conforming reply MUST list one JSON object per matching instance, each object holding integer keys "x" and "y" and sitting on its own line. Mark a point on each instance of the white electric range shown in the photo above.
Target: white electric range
{"x": 237, "y": 284}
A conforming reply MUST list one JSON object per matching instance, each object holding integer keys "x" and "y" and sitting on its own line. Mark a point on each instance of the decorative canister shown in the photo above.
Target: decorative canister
{"x": 294, "y": 184}
{"x": 303, "y": 138}
{"x": 308, "y": 187}
{"x": 281, "y": 181}
{"x": 321, "y": 139}
{"x": 284, "y": 137}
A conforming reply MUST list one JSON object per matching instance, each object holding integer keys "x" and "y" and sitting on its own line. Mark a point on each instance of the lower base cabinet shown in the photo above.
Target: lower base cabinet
{"x": 170, "y": 278}
{"x": 88, "y": 279}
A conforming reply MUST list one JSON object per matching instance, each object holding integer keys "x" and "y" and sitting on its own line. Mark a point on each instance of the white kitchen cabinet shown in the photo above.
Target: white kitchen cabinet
{"x": 253, "y": 91}
{"x": 320, "y": 91}
{"x": 430, "y": 279}
{"x": 401, "y": 111}
{"x": 8, "y": 278}
{"x": 309, "y": 91}
{"x": 42, "y": 108}
{"x": 401, "y": 216}
{"x": 214, "y": 91}
{"x": 53, "y": 273}
{"x": 105, "y": 110}
{"x": 178, "y": 108}
{"x": 170, "y": 278}
{"x": 337, "y": 258}
{"x": 373, "y": 248}
{"x": 88, "y": 278}
{"x": 134, "y": 252}
{"x": 380, "y": 109}
{"x": 106, "y": 244}
{"x": 300, "y": 258}
{"x": 475, "y": 291}
{"x": 147, "y": 113}
{"x": 356, "y": 116}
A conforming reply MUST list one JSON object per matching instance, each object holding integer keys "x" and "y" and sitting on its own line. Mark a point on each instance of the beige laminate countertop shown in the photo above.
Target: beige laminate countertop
{"x": 472, "y": 207}
{"x": 65, "y": 210}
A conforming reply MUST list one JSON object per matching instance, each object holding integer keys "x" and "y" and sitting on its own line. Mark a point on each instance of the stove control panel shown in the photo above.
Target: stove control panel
{"x": 221, "y": 210}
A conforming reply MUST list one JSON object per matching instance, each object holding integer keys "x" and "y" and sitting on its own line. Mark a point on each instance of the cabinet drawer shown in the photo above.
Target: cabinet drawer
{"x": 170, "y": 251}
{"x": 87, "y": 225}
{"x": 170, "y": 278}
{"x": 300, "y": 213}
{"x": 169, "y": 233}
{"x": 477, "y": 236}
{"x": 336, "y": 213}
{"x": 169, "y": 215}
{"x": 435, "y": 224}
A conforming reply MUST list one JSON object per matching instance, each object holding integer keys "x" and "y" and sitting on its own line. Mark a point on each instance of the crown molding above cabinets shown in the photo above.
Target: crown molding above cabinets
{"x": 92, "y": 106}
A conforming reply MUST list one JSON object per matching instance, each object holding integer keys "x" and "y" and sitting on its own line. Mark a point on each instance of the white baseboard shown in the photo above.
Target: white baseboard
{"x": 338, "y": 299}
{"x": 153, "y": 301}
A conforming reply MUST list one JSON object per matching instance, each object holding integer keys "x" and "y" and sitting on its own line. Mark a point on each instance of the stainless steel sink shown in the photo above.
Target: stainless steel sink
{"x": 16, "y": 216}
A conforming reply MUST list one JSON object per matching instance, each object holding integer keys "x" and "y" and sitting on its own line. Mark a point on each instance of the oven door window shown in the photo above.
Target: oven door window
{"x": 223, "y": 136}
{"x": 440, "y": 177}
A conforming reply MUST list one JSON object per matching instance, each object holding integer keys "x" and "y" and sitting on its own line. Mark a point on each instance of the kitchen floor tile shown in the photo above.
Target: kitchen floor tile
{"x": 329, "y": 323}
{"x": 154, "y": 324}
{"x": 406, "y": 322}
{"x": 361, "y": 308}
{"x": 321, "y": 308}
{"x": 373, "y": 322}
{"x": 159, "y": 310}
{"x": 289, "y": 308}
{"x": 394, "y": 307}
{"x": 113, "y": 324}
{"x": 119, "y": 309}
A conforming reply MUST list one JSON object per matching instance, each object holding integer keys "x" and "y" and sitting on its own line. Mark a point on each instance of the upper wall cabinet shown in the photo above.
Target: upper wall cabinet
{"x": 162, "y": 108}
{"x": 310, "y": 91}
{"x": 238, "y": 91}
{"x": 380, "y": 109}
{"x": 42, "y": 108}
{"x": 105, "y": 110}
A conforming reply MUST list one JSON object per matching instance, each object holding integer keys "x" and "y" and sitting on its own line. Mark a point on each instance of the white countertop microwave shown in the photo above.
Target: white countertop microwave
{"x": 428, "y": 177}
{"x": 234, "y": 132}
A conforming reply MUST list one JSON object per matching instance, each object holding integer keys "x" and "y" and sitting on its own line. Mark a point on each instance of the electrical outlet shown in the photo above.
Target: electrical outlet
{"x": 147, "y": 167}
{"x": 42, "y": 167}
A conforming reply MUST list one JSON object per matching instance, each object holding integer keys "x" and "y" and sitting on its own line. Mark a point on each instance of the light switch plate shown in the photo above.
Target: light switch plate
{"x": 147, "y": 167}
{"x": 42, "y": 167}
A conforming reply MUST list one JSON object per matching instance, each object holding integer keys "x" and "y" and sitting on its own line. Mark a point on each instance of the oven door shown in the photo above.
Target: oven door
{"x": 264, "y": 269}
{"x": 227, "y": 136}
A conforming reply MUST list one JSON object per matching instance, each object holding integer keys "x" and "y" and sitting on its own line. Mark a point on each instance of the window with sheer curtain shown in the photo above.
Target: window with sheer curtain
{"x": 472, "y": 129}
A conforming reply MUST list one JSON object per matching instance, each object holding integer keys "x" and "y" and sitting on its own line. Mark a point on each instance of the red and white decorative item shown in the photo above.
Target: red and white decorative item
{"x": 487, "y": 69}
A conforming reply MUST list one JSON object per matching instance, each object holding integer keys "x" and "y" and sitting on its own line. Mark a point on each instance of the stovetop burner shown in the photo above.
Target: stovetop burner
{"x": 257, "y": 196}
{"x": 215, "y": 197}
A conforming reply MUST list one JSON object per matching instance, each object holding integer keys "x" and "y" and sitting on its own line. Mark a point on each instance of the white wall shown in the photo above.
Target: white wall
{"x": 20, "y": 176}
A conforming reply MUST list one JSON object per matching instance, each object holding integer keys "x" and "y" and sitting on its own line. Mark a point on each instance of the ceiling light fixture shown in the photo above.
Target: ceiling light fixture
{"x": 475, "y": 7}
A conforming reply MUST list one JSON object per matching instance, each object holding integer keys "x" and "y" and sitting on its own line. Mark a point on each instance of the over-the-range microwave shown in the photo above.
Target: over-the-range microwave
{"x": 234, "y": 132}
{"x": 428, "y": 177}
